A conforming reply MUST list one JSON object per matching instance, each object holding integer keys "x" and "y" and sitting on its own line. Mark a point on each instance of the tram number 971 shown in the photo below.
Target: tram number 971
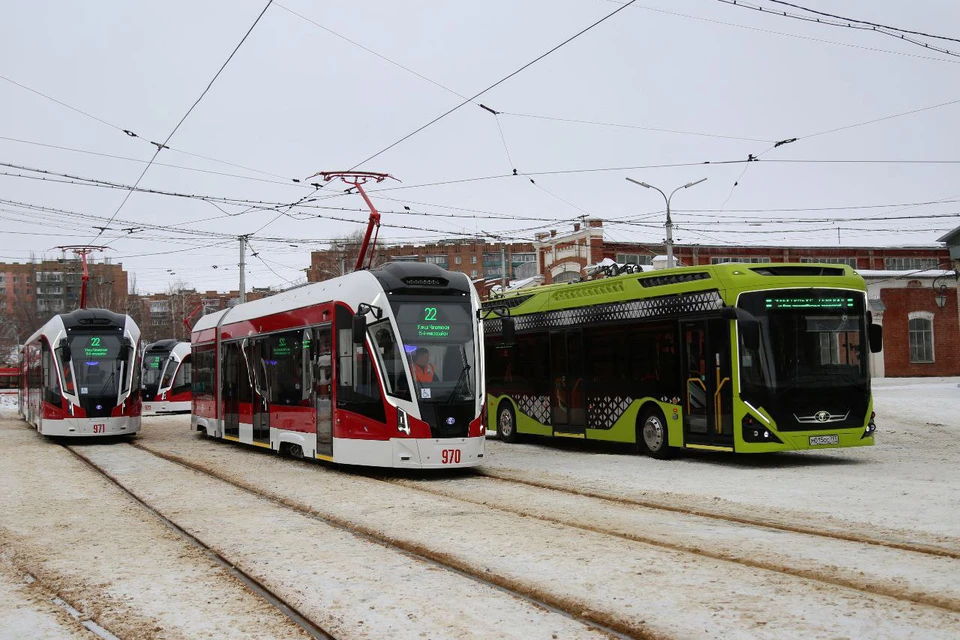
{"x": 450, "y": 456}
{"x": 99, "y": 428}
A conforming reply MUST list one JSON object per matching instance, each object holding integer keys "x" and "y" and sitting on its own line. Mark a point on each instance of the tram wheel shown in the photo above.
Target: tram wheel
{"x": 653, "y": 434}
{"x": 506, "y": 423}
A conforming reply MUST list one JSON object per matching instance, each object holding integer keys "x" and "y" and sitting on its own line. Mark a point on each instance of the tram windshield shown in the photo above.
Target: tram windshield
{"x": 810, "y": 340}
{"x": 97, "y": 364}
{"x": 438, "y": 349}
{"x": 153, "y": 368}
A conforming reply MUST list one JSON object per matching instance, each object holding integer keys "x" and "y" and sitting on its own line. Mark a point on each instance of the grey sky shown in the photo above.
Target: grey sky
{"x": 296, "y": 100}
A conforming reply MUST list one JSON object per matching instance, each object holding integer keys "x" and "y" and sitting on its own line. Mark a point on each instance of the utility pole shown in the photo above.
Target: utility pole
{"x": 669, "y": 225}
{"x": 503, "y": 266}
{"x": 243, "y": 269}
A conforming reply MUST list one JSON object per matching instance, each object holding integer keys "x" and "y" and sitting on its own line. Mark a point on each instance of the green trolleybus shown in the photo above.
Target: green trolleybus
{"x": 747, "y": 358}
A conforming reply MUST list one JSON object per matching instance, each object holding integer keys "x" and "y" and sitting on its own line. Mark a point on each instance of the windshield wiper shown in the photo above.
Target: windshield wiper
{"x": 109, "y": 381}
{"x": 460, "y": 381}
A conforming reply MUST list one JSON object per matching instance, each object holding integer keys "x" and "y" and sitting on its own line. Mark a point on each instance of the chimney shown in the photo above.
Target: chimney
{"x": 594, "y": 222}
{"x": 576, "y": 227}
{"x": 553, "y": 233}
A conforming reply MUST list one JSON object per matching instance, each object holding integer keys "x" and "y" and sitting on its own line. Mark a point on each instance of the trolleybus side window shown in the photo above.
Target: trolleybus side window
{"x": 357, "y": 387}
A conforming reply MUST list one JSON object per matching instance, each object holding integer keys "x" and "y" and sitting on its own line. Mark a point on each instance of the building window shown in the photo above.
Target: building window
{"x": 567, "y": 276}
{"x": 473, "y": 273}
{"x": 910, "y": 264}
{"x": 634, "y": 258}
{"x": 848, "y": 261}
{"x": 437, "y": 260}
{"x": 921, "y": 337}
{"x": 473, "y": 259}
{"x": 160, "y": 306}
{"x": 751, "y": 260}
{"x": 456, "y": 260}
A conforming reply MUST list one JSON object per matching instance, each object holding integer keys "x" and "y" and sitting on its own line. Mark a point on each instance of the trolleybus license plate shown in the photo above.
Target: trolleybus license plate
{"x": 818, "y": 440}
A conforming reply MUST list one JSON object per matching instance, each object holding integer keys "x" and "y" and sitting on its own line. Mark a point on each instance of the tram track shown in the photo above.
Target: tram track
{"x": 892, "y": 588}
{"x": 256, "y": 586}
{"x": 859, "y": 537}
{"x": 226, "y": 464}
{"x": 422, "y": 553}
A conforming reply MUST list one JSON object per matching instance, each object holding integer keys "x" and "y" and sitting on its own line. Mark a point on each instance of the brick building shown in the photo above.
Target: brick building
{"x": 31, "y": 292}
{"x": 912, "y": 290}
{"x": 477, "y": 259}
{"x": 162, "y": 315}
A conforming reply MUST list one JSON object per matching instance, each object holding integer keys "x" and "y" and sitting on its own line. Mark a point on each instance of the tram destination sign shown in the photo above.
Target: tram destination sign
{"x": 809, "y": 303}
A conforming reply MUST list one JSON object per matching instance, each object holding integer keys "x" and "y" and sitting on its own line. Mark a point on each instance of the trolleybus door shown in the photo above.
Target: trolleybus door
{"x": 323, "y": 388}
{"x": 567, "y": 393}
{"x": 707, "y": 404}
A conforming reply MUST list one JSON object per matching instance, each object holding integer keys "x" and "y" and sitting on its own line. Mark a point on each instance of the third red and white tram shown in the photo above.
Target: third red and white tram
{"x": 167, "y": 377}
{"x": 80, "y": 375}
{"x": 380, "y": 367}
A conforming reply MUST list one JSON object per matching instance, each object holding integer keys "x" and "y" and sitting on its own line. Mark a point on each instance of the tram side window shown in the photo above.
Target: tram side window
{"x": 51, "y": 383}
{"x": 282, "y": 355}
{"x": 204, "y": 373}
{"x": 358, "y": 389}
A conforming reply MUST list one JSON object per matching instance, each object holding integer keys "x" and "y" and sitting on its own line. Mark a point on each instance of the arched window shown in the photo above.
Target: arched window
{"x": 921, "y": 336}
{"x": 567, "y": 276}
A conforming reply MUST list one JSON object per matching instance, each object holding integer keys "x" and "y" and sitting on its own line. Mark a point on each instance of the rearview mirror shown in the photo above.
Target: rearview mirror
{"x": 508, "y": 331}
{"x": 876, "y": 338}
{"x": 359, "y": 328}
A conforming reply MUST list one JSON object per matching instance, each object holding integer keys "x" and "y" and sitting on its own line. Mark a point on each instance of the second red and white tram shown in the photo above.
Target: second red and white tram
{"x": 167, "y": 377}
{"x": 380, "y": 367}
{"x": 80, "y": 375}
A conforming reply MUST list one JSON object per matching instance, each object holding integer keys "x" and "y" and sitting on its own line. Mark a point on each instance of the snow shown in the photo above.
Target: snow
{"x": 8, "y": 402}
{"x": 621, "y": 561}
{"x": 27, "y": 614}
{"x": 86, "y": 541}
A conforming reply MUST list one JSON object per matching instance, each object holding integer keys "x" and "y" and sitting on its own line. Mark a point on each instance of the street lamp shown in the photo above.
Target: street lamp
{"x": 940, "y": 292}
{"x": 669, "y": 220}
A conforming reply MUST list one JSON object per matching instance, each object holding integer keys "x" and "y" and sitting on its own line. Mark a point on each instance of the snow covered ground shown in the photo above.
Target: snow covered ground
{"x": 590, "y": 548}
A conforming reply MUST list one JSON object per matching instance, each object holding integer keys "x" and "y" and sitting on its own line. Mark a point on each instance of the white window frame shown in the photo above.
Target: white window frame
{"x": 921, "y": 315}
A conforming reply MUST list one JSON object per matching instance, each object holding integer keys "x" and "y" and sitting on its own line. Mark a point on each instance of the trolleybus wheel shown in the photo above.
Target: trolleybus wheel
{"x": 506, "y": 423}
{"x": 652, "y": 434}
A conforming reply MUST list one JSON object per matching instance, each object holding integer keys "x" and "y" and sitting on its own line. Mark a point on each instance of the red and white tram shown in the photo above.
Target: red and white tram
{"x": 380, "y": 367}
{"x": 80, "y": 375}
{"x": 167, "y": 377}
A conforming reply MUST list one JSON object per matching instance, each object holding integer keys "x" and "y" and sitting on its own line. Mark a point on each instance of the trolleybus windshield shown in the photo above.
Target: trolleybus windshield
{"x": 439, "y": 349}
{"x": 810, "y": 339}
{"x": 97, "y": 364}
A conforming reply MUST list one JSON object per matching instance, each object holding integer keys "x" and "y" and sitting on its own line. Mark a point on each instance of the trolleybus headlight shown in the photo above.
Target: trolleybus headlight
{"x": 871, "y": 426}
{"x": 753, "y": 431}
{"x": 402, "y": 425}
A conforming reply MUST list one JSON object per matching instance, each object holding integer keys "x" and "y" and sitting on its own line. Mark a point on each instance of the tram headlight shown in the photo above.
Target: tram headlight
{"x": 402, "y": 425}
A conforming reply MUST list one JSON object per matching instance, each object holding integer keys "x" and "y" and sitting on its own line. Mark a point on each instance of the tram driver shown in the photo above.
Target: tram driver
{"x": 423, "y": 370}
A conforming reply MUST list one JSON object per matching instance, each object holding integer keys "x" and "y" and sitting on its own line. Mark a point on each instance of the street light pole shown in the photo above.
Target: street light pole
{"x": 669, "y": 219}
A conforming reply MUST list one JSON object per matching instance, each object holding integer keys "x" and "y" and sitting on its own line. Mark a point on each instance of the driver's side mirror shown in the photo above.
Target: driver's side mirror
{"x": 508, "y": 331}
{"x": 359, "y": 328}
{"x": 876, "y": 338}
{"x": 747, "y": 324}
{"x": 66, "y": 353}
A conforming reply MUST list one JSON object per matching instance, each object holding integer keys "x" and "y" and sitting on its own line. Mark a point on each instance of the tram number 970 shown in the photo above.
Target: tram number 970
{"x": 99, "y": 428}
{"x": 450, "y": 456}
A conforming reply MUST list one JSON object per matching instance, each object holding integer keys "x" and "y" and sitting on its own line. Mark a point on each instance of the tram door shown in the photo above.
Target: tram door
{"x": 567, "y": 393}
{"x": 258, "y": 352}
{"x": 322, "y": 357}
{"x": 707, "y": 410}
{"x": 231, "y": 385}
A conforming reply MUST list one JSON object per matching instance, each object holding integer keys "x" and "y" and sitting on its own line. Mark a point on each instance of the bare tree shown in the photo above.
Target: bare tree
{"x": 341, "y": 256}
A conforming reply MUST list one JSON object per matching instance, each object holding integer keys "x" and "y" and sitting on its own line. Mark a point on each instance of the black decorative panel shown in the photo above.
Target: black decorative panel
{"x": 604, "y": 411}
